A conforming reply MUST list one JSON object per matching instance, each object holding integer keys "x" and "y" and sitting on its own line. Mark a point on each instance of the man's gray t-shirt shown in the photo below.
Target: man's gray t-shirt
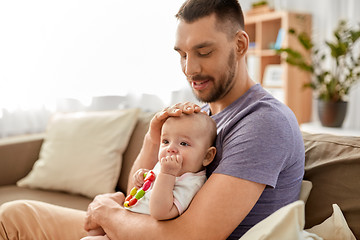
{"x": 259, "y": 140}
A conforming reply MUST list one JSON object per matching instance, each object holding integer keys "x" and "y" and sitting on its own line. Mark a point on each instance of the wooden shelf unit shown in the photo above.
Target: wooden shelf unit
{"x": 263, "y": 32}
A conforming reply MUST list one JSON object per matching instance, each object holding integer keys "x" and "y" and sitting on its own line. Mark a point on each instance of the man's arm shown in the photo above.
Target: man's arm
{"x": 217, "y": 209}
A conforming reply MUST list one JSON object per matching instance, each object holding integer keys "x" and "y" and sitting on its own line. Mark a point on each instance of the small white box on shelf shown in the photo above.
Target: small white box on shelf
{"x": 273, "y": 75}
{"x": 253, "y": 64}
{"x": 278, "y": 93}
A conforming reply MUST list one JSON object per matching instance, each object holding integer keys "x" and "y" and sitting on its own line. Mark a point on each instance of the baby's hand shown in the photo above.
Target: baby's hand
{"x": 139, "y": 177}
{"x": 171, "y": 164}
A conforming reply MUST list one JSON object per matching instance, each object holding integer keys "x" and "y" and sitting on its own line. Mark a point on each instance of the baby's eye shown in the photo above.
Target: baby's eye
{"x": 184, "y": 144}
{"x": 165, "y": 141}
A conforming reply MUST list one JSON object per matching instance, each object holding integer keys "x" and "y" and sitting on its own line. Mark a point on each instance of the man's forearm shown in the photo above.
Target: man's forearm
{"x": 204, "y": 219}
{"x": 124, "y": 224}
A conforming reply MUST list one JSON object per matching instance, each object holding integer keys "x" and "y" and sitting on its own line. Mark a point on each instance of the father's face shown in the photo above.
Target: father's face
{"x": 207, "y": 58}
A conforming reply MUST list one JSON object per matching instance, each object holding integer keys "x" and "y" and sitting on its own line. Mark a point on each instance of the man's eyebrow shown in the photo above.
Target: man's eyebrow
{"x": 197, "y": 46}
{"x": 202, "y": 45}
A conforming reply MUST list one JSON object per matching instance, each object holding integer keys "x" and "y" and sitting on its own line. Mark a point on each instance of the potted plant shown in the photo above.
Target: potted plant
{"x": 330, "y": 82}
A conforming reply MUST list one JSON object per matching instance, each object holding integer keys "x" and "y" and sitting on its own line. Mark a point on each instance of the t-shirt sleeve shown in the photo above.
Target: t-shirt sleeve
{"x": 256, "y": 147}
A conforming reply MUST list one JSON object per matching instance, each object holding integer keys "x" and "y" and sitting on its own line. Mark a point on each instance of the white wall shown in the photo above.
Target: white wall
{"x": 88, "y": 48}
{"x": 82, "y": 48}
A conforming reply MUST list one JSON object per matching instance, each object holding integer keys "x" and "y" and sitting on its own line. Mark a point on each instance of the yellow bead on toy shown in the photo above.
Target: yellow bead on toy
{"x": 133, "y": 191}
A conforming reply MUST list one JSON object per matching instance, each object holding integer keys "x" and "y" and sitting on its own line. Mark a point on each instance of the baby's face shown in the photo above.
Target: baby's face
{"x": 185, "y": 137}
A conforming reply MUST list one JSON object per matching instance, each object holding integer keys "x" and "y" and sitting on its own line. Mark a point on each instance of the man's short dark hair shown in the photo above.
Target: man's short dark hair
{"x": 226, "y": 11}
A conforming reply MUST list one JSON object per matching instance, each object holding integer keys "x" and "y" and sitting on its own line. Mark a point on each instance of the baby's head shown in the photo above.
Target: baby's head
{"x": 190, "y": 136}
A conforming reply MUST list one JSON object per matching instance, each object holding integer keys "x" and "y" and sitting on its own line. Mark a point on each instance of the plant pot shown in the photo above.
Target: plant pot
{"x": 331, "y": 114}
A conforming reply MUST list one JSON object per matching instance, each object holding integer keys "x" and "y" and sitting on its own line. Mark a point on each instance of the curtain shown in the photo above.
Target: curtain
{"x": 84, "y": 55}
{"x": 70, "y": 55}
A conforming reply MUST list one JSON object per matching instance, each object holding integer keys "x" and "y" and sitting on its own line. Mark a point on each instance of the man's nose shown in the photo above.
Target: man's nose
{"x": 191, "y": 66}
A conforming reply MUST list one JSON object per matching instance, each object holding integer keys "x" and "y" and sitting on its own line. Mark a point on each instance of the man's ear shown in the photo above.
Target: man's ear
{"x": 210, "y": 155}
{"x": 242, "y": 43}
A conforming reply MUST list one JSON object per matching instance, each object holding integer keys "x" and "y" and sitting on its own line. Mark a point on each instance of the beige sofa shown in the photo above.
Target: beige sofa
{"x": 332, "y": 165}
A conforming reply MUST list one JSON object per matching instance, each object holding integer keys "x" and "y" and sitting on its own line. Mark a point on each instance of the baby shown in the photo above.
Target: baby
{"x": 186, "y": 148}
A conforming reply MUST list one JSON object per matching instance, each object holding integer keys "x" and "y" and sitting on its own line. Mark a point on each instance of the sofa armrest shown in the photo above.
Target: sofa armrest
{"x": 17, "y": 156}
{"x": 332, "y": 164}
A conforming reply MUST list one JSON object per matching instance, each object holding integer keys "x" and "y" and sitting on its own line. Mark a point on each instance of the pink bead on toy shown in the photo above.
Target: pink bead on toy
{"x": 137, "y": 194}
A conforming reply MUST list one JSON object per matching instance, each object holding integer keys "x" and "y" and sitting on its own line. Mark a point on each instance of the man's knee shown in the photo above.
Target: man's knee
{"x": 11, "y": 214}
{"x": 9, "y": 209}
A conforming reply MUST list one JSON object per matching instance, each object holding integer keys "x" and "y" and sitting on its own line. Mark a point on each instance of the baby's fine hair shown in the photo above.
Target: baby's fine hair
{"x": 209, "y": 125}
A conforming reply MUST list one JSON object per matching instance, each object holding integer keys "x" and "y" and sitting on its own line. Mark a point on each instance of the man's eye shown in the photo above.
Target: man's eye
{"x": 184, "y": 144}
{"x": 204, "y": 54}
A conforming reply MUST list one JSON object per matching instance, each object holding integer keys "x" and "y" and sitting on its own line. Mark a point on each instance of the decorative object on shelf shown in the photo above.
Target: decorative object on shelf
{"x": 273, "y": 75}
{"x": 330, "y": 85}
{"x": 259, "y": 7}
{"x": 279, "y": 39}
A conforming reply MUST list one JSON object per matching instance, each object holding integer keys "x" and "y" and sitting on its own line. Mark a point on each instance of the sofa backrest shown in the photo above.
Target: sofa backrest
{"x": 133, "y": 149}
{"x": 19, "y": 151}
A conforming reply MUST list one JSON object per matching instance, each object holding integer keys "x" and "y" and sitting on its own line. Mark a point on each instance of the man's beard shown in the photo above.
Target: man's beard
{"x": 223, "y": 86}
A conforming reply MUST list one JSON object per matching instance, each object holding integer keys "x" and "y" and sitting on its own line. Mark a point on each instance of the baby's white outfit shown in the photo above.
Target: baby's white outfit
{"x": 186, "y": 186}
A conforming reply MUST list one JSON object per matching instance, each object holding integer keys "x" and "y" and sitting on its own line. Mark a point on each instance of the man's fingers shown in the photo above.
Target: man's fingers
{"x": 118, "y": 197}
{"x": 186, "y": 108}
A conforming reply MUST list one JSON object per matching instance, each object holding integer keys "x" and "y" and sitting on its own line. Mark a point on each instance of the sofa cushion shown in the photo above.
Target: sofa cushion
{"x": 288, "y": 223}
{"x": 332, "y": 164}
{"x": 82, "y": 152}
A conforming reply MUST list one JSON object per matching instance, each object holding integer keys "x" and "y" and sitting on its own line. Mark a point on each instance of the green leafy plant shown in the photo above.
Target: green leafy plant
{"x": 259, "y": 3}
{"x": 332, "y": 83}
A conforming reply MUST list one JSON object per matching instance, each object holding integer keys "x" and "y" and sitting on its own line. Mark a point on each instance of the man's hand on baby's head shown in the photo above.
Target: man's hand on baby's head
{"x": 186, "y": 108}
{"x": 171, "y": 164}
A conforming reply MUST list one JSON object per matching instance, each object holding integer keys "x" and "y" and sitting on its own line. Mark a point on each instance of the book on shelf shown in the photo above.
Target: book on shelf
{"x": 279, "y": 39}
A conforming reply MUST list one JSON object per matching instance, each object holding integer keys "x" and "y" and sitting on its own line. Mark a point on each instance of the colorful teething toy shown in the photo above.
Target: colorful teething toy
{"x": 136, "y": 194}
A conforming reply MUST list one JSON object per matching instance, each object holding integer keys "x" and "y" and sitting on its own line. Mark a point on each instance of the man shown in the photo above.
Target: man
{"x": 259, "y": 164}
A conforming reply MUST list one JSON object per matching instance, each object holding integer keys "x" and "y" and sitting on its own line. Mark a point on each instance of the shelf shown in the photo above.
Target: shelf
{"x": 315, "y": 127}
{"x": 264, "y": 52}
{"x": 270, "y": 30}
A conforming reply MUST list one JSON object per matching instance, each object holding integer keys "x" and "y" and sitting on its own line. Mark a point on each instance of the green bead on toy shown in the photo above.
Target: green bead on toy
{"x": 139, "y": 194}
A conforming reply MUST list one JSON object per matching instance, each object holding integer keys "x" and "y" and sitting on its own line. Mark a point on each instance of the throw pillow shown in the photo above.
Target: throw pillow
{"x": 306, "y": 187}
{"x": 288, "y": 223}
{"x": 82, "y": 152}
{"x": 284, "y": 224}
{"x": 334, "y": 228}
